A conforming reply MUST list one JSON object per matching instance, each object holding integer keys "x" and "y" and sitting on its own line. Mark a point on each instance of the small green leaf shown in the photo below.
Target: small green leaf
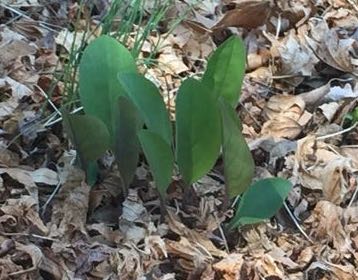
{"x": 126, "y": 148}
{"x": 198, "y": 130}
{"x": 100, "y": 64}
{"x": 89, "y": 135}
{"x": 355, "y": 115}
{"x": 261, "y": 201}
{"x": 226, "y": 70}
{"x": 160, "y": 158}
{"x": 145, "y": 95}
{"x": 239, "y": 166}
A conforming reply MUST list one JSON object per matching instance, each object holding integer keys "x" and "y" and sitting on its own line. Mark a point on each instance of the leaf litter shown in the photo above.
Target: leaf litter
{"x": 299, "y": 88}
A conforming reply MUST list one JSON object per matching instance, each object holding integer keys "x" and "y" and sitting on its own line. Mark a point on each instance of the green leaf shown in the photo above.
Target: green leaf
{"x": 160, "y": 158}
{"x": 226, "y": 69}
{"x": 261, "y": 201}
{"x": 239, "y": 166}
{"x": 89, "y": 135}
{"x": 150, "y": 104}
{"x": 92, "y": 171}
{"x": 127, "y": 147}
{"x": 198, "y": 130}
{"x": 100, "y": 64}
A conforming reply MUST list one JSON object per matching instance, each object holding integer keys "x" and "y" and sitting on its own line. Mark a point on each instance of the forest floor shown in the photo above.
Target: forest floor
{"x": 299, "y": 112}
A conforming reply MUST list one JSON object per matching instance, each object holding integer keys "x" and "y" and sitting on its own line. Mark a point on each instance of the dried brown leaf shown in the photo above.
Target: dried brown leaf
{"x": 251, "y": 14}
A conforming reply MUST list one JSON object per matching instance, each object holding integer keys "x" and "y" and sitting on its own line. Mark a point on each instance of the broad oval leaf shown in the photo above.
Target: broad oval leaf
{"x": 145, "y": 95}
{"x": 198, "y": 130}
{"x": 261, "y": 201}
{"x": 127, "y": 146}
{"x": 226, "y": 69}
{"x": 160, "y": 158}
{"x": 239, "y": 166}
{"x": 89, "y": 135}
{"x": 100, "y": 64}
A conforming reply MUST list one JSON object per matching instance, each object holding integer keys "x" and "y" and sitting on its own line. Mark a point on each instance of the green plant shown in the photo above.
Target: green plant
{"x": 132, "y": 110}
{"x": 352, "y": 117}
{"x": 120, "y": 21}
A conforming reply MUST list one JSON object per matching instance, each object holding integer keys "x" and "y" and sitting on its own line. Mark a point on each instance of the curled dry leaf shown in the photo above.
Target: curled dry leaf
{"x": 45, "y": 176}
{"x": 238, "y": 266}
{"x": 105, "y": 234}
{"x": 250, "y": 14}
{"x": 294, "y": 54}
{"x": 284, "y": 105}
{"x": 7, "y": 157}
{"x": 329, "y": 47}
{"x": 35, "y": 254}
{"x": 230, "y": 266}
{"x": 284, "y": 113}
{"x": 329, "y": 110}
{"x": 334, "y": 185}
{"x": 22, "y": 215}
{"x": 19, "y": 90}
{"x": 267, "y": 268}
{"x": 69, "y": 211}
{"x": 24, "y": 177}
{"x": 321, "y": 168}
{"x": 193, "y": 236}
{"x": 193, "y": 249}
{"x": 309, "y": 153}
{"x": 282, "y": 127}
{"x": 326, "y": 226}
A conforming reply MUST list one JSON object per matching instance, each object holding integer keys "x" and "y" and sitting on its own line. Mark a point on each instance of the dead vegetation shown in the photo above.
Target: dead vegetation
{"x": 296, "y": 107}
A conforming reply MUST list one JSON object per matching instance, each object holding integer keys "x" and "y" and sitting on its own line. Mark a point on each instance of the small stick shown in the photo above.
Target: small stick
{"x": 353, "y": 196}
{"x": 50, "y": 198}
{"x": 222, "y": 234}
{"x": 296, "y": 223}
{"x": 337, "y": 133}
{"x": 27, "y": 234}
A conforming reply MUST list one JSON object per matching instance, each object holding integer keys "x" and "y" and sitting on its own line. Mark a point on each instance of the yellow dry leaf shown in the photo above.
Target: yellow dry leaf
{"x": 230, "y": 267}
{"x": 281, "y": 127}
{"x": 291, "y": 106}
{"x": 267, "y": 268}
{"x": 326, "y": 225}
{"x": 320, "y": 167}
{"x": 333, "y": 182}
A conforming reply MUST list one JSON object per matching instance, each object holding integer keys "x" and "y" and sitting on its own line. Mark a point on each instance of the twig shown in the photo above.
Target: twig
{"x": 222, "y": 233}
{"x": 237, "y": 198}
{"x": 48, "y": 100}
{"x": 296, "y": 223}
{"x": 250, "y": 115}
{"x": 51, "y": 123}
{"x": 27, "y": 234}
{"x": 43, "y": 24}
{"x": 50, "y": 198}
{"x": 353, "y": 196}
{"x": 31, "y": 269}
{"x": 353, "y": 4}
{"x": 349, "y": 146}
{"x": 278, "y": 29}
{"x": 337, "y": 133}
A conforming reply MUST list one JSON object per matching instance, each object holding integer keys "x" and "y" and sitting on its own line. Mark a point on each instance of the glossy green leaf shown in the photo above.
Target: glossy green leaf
{"x": 127, "y": 146}
{"x": 160, "y": 158}
{"x": 239, "y": 166}
{"x": 145, "y": 95}
{"x": 89, "y": 135}
{"x": 100, "y": 64}
{"x": 226, "y": 69}
{"x": 198, "y": 130}
{"x": 261, "y": 201}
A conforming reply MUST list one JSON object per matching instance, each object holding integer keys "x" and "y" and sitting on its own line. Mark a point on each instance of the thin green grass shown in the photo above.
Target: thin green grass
{"x": 122, "y": 20}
